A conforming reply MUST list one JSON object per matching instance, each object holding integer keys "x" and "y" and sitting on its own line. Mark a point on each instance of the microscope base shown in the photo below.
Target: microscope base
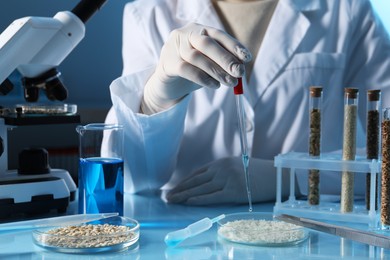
{"x": 35, "y": 194}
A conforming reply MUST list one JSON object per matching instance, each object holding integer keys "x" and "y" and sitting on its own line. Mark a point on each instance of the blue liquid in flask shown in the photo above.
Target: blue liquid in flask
{"x": 100, "y": 185}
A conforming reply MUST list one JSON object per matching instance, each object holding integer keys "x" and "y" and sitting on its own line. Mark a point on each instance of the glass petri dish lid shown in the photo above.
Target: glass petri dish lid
{"x": 105, "y": 235}
{"x": 260, "y": 229}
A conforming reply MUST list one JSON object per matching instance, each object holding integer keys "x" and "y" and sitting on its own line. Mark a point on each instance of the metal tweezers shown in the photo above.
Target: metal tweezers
{"x": 365, "y": 237}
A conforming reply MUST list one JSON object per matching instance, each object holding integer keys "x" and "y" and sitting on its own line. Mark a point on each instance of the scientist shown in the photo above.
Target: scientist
{"x": 175, "y": 98}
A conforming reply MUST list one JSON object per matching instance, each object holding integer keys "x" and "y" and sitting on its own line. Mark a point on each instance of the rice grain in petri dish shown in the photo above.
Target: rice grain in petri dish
{"x": 260, "y": 229}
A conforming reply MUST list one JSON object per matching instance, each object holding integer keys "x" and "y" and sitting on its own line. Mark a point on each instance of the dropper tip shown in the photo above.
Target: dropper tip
{"x": 222, "y": 216}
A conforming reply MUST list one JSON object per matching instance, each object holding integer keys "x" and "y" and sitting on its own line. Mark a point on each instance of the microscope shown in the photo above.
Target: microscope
{"x": 35, "y": 47}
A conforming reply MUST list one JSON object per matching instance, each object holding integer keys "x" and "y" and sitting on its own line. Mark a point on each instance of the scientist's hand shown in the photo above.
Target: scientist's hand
{"x": 223, "y": 181}
{"x": 196, "y": 56}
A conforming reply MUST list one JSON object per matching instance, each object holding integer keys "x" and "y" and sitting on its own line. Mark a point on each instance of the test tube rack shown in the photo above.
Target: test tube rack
{"x": 326, "y": 210}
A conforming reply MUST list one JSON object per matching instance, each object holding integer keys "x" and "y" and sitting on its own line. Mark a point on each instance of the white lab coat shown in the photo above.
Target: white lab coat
{"x": 333, "y": 44}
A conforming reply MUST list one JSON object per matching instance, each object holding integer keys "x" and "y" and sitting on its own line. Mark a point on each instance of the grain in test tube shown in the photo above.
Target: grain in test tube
{"x": 315, "y": 109}
{"x": 373, "y": 136}
{"x": 351, "y": 96}
{"x": 385, "y": 167}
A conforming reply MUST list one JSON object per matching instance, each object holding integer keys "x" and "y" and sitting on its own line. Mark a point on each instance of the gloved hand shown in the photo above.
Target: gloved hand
{"x": 223, "y": 181}
{"x": 195, "y": 56}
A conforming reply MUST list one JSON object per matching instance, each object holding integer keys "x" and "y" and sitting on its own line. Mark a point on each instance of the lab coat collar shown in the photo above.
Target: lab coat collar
{"x": 304, "y": 5}
{"x": 285, "y": 33}
{"x": 199, "y": 11}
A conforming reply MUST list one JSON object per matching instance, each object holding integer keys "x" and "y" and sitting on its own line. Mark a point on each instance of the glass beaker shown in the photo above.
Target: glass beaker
{"x": 100, "y": 168}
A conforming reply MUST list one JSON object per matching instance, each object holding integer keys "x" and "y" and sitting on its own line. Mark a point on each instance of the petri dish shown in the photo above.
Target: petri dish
{"x": 260, "y": 229}
{"x": 105, "y": 235}
{"x": 46, "y": 109}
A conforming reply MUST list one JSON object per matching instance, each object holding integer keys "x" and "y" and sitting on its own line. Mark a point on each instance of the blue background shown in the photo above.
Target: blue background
{"x": 383, "y": 9}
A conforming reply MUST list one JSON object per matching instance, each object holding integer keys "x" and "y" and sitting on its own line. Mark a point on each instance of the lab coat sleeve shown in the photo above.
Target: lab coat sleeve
{"x": 142, "y": 40}
{"x": 151, "y": 143}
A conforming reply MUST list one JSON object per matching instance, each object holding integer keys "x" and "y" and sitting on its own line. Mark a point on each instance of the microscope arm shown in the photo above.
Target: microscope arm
{"x": 36, "y": 45}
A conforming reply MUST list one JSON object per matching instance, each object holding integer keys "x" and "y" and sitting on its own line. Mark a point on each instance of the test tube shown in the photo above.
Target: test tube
{"x": 351, "y": 98}
{"x": 373, "y": 136}
{"x": 385, "y": 167}
{"x": 315, "y": 109}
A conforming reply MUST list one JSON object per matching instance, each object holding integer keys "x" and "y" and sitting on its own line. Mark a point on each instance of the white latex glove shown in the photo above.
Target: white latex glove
{"x": 194, "y": 56}
{"x": 223, "y": 181}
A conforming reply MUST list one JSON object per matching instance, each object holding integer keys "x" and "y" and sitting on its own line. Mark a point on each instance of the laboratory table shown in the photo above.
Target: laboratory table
{"x": 158, "y": 218}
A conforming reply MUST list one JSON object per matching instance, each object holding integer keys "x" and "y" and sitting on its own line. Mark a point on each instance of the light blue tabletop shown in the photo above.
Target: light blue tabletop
{"x": 158, "y": 218}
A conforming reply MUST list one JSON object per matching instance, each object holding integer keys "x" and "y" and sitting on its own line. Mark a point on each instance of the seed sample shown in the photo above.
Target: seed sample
{"x": 373, "y": 138}
{"x": 385, "y": 167}
{"x": 251, "y": 231}
{"x": 315, "y": 108}
{"x": 349, "y": 147}
{"x": 87, "y": 236}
